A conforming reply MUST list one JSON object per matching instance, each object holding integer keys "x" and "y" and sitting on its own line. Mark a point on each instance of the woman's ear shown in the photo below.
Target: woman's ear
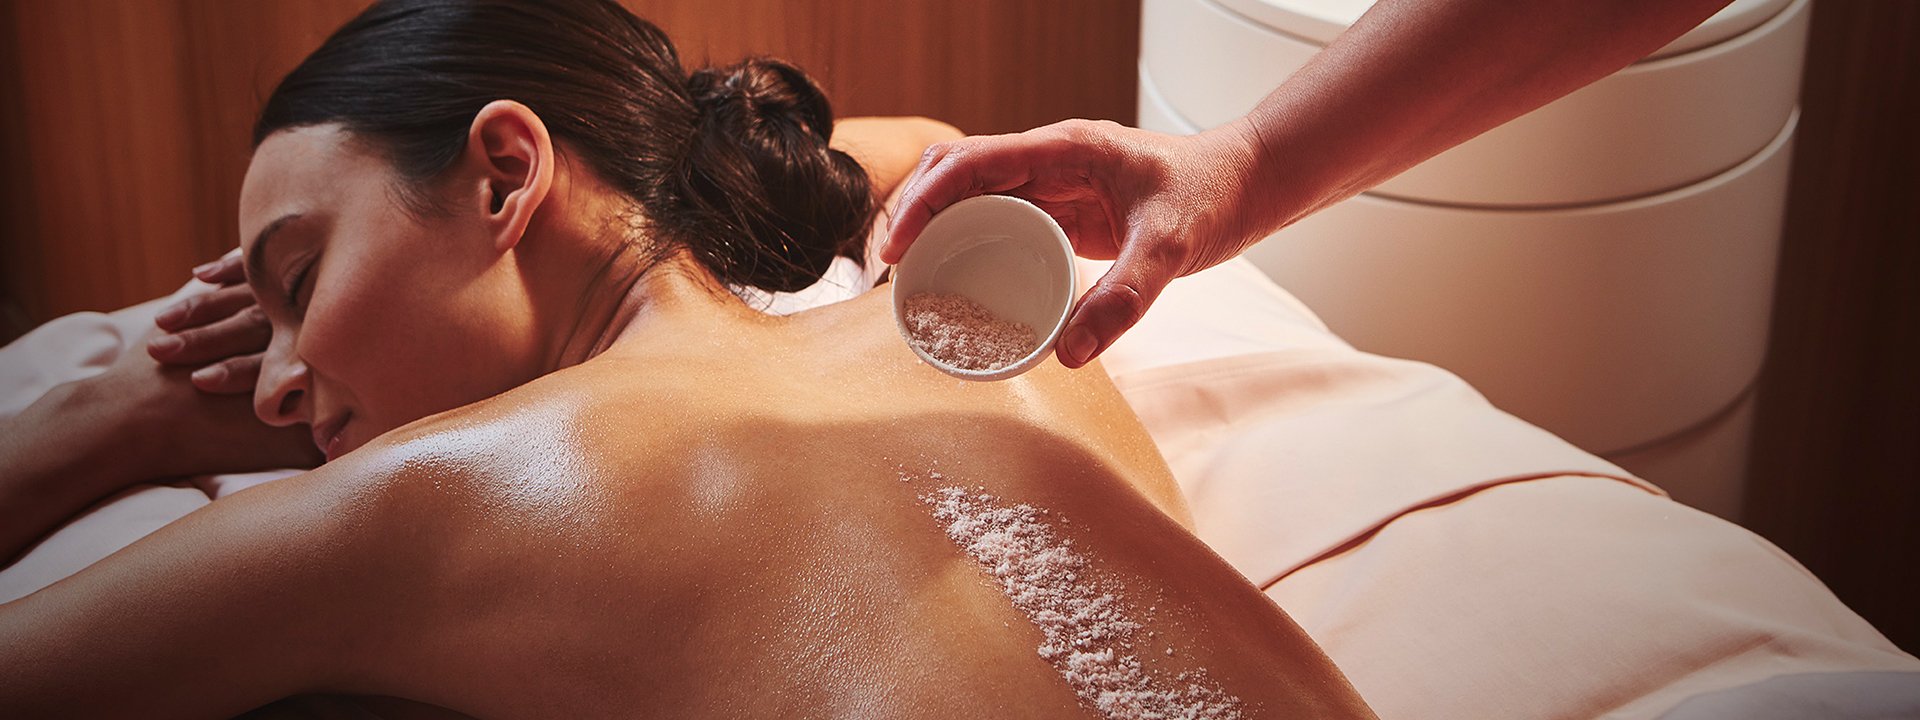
{"x": 509, "y": 147}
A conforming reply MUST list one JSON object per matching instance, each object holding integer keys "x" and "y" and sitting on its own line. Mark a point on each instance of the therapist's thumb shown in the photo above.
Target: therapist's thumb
{"x": 1113, "y": 305}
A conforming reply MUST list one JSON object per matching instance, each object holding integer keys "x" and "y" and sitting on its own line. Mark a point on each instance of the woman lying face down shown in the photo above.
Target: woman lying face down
{"x": 421, "y": 244}
{"x": 573, "y": 475}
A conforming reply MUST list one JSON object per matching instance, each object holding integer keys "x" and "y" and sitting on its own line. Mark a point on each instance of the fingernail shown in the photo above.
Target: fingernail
{"x": 170, "y": 315}
{"x": 204, "y": 269}
{"x": 210, "y": 374}
{"x": 168, "y": 344}
{"x": 1080, "y": 343}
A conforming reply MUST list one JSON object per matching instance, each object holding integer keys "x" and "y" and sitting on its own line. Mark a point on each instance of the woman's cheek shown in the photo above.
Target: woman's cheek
{"x": 345, "y": 333}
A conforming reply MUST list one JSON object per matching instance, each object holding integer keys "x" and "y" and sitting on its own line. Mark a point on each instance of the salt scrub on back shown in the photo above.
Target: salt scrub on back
{"x": 960, "y": 333}
{"x": 1088, "y": 636}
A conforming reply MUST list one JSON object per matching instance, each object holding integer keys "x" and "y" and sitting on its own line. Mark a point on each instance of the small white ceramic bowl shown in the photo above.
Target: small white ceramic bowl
{"x": 1000, "y": 252}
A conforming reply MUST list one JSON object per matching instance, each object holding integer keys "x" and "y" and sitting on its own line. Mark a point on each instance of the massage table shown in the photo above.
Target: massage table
{"x": 1453, "y": 560}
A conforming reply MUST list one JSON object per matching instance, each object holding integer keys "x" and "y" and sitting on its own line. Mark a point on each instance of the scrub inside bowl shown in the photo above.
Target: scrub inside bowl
{"x": 984, "y": 291}
{"x": 959, "y": 332}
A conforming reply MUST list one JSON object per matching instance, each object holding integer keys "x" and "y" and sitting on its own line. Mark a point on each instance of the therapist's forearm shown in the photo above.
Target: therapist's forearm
{"x": 56, "y": 458}
{"x": 1413, "y": 78}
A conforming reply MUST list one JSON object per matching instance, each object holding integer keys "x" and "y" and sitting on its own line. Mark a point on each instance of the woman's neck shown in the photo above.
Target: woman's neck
{"x": 599, "y": 284}
{"x": 633, "y": 303}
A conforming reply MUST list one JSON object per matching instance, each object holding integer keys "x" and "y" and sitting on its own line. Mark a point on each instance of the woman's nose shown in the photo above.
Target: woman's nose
{"x": 281, "y": 397}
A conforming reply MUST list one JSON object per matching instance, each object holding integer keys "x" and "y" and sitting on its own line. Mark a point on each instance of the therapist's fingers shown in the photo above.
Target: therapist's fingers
{"x": 244, "y": 332}
{"x": 1118, "y": 301}
{"x": 204, "y": 308}
{"x": 953, "y": 171}
{"x": 1082, "y": 160}
{"x": 225, "y": 271}
{"x": 232, "y": 376}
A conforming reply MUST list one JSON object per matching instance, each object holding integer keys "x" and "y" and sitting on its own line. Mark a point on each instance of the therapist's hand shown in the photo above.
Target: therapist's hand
{"x": 1160, "y": 206}
{"x": 220, "y": 335}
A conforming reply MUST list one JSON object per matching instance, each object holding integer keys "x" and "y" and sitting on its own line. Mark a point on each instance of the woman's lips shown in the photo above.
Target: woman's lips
{"x": 330, "y": 436}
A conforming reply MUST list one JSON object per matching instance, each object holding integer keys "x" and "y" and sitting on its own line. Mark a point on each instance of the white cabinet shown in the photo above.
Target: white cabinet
{"x": 1603, "y": 266}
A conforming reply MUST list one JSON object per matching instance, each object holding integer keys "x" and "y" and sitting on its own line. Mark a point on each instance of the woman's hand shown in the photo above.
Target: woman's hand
{"x": 1160, "y": 206}
{"x": 204, "y": 417}
{"x": 141, "y": 420}
{"x": 170, "y": 421}
{"x": 219, "y": 334}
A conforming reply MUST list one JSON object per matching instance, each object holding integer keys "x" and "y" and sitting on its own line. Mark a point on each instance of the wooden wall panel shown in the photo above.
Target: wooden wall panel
{"x": 131, "y": 134}
{"x": 1836, "y": 454}
{"x": 108, "y": 169}
{"x": 19, "y": 236}
{"x": 130, "y": 118}
{"x": 235, "y": 52}
{"x": 987, "y": 67}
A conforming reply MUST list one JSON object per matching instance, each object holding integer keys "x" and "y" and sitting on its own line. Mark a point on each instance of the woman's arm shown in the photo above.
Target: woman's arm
{"x": 53, "y": 464}
{"x": 271, "y": 592}
{"x": 889, "y": 147}
{"x": 136, "y": 422}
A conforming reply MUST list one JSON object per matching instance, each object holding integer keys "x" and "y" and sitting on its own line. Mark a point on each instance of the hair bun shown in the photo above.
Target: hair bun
{"x": 759, "y": 168}
{"x": 761, "y": 89}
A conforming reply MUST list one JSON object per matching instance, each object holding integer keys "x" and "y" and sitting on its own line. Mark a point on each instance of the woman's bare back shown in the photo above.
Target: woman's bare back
{"x": 766, "y": 533}
{"x": 754, "y": 525}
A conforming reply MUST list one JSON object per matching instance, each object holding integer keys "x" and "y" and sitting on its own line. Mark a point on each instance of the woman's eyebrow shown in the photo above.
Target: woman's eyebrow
{"x": 257, "y": 257}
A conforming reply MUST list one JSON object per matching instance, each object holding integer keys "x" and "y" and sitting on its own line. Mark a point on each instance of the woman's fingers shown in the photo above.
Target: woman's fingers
{"x": 204, "y": 308}
{"x": 232, "y": 376}
{"x": 242, "y": 333}
{"x": 225, "y": 271}
{"x": 223, "y": 329}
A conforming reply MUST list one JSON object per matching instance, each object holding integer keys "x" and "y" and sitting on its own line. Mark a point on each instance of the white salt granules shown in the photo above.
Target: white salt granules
{"x": 960, "y": 333}
{"x": 1087, "y": 635}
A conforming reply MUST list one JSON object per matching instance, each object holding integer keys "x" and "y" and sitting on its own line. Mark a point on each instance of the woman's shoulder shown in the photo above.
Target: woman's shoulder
{"x": 563, "y": 407}
{"x": 564, "y": 425}
{"x": 578, "y": 448}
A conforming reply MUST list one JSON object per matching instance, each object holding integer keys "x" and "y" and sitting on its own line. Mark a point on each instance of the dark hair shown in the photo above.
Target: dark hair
{"x": 730, "y": 163}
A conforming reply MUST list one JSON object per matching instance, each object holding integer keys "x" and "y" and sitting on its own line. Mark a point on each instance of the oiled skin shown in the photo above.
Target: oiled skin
{"x": 716, "y": 526}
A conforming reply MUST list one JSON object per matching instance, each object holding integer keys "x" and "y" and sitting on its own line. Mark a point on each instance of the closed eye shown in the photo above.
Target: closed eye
{"x": 298, "y": 282}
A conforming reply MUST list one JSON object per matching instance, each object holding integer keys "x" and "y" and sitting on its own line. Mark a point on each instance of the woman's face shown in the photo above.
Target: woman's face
{"x": 380, "y": 317}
